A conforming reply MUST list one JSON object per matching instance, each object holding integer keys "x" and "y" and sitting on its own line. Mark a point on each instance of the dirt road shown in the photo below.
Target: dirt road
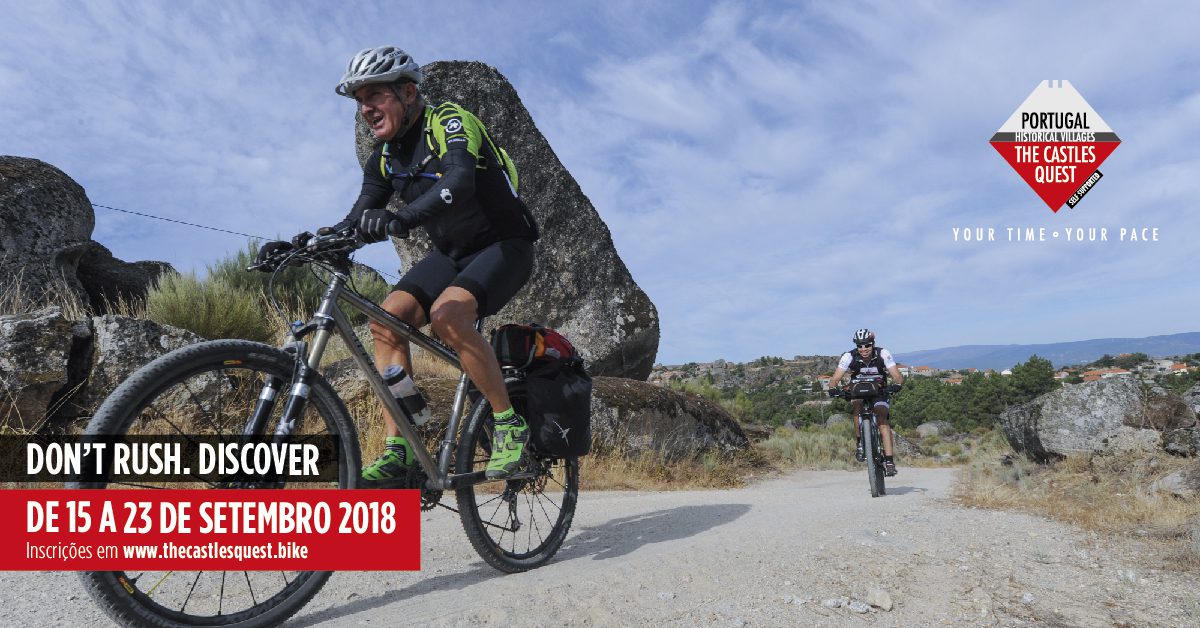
{"x": 810, "y": 548}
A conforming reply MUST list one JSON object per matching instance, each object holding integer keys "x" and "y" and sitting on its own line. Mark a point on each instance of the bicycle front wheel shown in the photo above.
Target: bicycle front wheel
{"x": 207, "y": 389}
{"x": 874, "y": 464}
{"x": 514, "y": 525}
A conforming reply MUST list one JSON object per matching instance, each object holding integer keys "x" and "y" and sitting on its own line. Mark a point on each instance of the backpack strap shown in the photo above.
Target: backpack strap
{"x": 387, "y": 171}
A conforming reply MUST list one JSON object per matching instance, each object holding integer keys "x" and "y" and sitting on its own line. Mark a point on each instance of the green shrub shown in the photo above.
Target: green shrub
{"x": 212, "y": 308}
{"x": 812, "y": 447}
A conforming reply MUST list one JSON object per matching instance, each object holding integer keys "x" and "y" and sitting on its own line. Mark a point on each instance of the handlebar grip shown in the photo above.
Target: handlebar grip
{"x": 396, "y": 229}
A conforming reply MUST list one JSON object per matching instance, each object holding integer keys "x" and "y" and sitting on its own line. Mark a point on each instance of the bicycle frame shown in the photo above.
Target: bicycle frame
{"x": 329, "y": 319}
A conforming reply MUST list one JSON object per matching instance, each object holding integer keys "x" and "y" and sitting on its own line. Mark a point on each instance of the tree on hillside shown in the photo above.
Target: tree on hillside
{"x": 1105, "y": 361}
{"x": 1131, "y": 360}
{"x": 1033, "y": 378}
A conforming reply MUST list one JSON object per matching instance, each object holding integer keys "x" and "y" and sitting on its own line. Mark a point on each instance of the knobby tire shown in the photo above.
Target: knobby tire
{"x": 165, "y": 388}
{"x": 545, "y": 505}
{"x": 874, "y": 466}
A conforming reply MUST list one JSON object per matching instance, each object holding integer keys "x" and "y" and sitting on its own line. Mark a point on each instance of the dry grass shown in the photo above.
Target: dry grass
{"x": 1106, "y": 494}
{"x": 18, "y": 296}
{"x": 811, "y": 447}
{"x": 649, "y": 472}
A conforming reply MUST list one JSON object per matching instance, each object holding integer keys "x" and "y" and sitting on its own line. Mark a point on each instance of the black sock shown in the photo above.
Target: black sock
{"x": 888, "y": 459}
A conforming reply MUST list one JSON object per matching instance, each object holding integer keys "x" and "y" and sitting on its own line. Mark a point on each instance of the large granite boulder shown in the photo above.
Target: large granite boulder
{"x": 1116, "y": 413}
{"x": 34, "y": 351}
{"x": 580, "y": 285}
{"x": 122, "y": 345}
{"x": 46, "y": 224}
{"x": 108, "y": 280}
{"x": 934, "y": 428}
{"x": 634, "y": 418}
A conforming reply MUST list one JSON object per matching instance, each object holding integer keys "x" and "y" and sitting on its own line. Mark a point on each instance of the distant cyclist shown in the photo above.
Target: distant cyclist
{"x": 871, "y": 364}
{"x": 462, "y": 188}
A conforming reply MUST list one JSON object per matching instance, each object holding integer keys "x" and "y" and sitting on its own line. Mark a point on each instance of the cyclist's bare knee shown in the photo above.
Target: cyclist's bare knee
{"x": 454, "y": 314}
{"x": 403, "y": 306}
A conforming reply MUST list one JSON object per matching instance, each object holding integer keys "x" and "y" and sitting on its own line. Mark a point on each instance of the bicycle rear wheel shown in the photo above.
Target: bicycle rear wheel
{"x": 211, "y": 389}
{"x": 514, "y": 525}
{"x": 874, "y": 463}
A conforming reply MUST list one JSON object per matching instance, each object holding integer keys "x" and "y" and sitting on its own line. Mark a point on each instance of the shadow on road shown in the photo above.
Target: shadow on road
{"x": 479, "y": 573}
{"x": 616, "y": 537}
{"x": 904, "y": 490}
{"x": 621, "y": 536}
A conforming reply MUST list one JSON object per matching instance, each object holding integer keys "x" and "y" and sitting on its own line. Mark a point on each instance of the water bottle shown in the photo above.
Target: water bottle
{"x": 406, "y": 393}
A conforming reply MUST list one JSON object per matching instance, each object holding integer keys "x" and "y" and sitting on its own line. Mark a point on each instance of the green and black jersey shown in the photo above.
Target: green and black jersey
{"x": 453, "y": 179}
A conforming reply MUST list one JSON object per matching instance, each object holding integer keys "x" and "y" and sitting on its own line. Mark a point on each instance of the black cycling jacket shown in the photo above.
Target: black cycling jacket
{"x": 453, "y": 180}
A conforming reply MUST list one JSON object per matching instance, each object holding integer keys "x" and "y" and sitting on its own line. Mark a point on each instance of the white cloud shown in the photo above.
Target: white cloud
{"x": 773, "y": 175}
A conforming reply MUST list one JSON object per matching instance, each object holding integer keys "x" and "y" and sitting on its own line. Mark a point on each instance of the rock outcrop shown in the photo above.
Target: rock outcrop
{"x": 934, "y": 428}
{"x": 108, "y": 280}
{"x": 1192, "y": 398}
{"x": 34, "y": 351}
{"x": 1097, "y": 416}
{"x": 121, "y": 346}
{"x": 580, "y": 285}
{"x": 1182, "y": 442}
{"x": 54, "y": 369}
{"x": 1184, "y": 483}
{"x": 631, "y": 418}
{"x": 46, "y": 225}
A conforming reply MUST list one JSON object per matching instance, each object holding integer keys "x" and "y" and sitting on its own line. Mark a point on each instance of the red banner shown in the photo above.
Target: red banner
{"x": 210, "y": 530}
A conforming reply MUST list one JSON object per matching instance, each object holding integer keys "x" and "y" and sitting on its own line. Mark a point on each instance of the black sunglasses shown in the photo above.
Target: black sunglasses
{"x": 865, "y": 344}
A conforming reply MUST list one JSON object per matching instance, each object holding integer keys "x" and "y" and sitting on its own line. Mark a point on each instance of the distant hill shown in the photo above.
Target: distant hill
{"x": 1001, "y": 357}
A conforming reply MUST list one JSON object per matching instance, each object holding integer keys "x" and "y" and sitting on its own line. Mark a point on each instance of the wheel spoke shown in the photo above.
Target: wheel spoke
{"x": 199, "y": 391}
{"x": 190, "y": 591}
{"x": 251, "y": 587}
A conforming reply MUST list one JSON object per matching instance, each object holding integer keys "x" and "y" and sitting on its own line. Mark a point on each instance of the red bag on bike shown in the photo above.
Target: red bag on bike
{"x": 519, "y": 346}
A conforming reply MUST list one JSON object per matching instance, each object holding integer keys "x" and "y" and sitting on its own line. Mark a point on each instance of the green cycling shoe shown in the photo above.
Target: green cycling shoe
{"x": 508, "y": 447}
{"x": 394, "y": 462}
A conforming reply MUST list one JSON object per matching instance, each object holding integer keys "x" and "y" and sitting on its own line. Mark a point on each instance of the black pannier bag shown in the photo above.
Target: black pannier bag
{"x": 557, "y": 399}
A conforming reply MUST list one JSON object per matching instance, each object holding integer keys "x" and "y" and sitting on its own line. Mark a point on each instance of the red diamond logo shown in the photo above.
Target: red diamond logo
{"x": 1056, "y": 143}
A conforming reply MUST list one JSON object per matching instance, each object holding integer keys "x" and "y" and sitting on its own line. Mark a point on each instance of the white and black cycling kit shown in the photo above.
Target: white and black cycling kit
{"x": 871, "y": 369}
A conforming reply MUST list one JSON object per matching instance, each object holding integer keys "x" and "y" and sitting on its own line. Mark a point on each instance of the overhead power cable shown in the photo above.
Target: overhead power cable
{"x": 192, "y": 224}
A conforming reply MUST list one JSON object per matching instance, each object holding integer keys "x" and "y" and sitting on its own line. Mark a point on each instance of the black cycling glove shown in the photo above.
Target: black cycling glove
{"x": 269, "y": 249}
{"x": 373, "y": 226}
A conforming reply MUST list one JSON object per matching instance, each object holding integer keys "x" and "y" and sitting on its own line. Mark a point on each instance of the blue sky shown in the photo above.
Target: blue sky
{"x": 775, "y": 175}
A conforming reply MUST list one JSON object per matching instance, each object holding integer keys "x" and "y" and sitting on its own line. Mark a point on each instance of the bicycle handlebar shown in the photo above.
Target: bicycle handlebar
{"x": 306, "y": 247}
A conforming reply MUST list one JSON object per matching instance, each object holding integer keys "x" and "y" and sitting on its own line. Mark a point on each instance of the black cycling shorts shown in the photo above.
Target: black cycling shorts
{"x": 492, "y": 275}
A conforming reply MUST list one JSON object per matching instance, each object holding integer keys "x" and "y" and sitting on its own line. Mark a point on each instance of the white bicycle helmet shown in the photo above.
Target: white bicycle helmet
{"x": 864, "y": 337}
{"x": 383, "y": 64}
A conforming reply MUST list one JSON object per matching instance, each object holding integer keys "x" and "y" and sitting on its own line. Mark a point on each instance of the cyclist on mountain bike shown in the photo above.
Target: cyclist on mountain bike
{"x": 462, "y": 188}
{"x": 873, "y": 364}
